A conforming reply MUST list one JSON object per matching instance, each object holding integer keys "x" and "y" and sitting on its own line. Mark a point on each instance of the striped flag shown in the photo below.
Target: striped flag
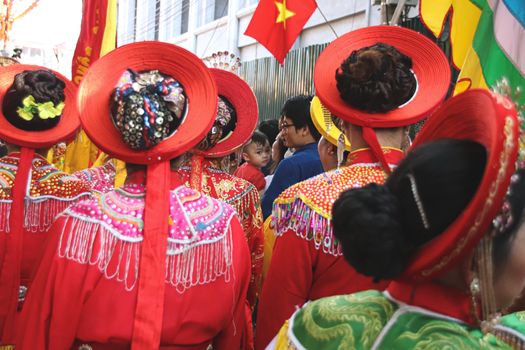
{"x": 493, "y": 50}
{"x": 97, "y": 37}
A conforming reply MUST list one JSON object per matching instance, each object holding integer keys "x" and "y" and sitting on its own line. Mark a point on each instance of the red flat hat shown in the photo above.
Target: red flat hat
{"x": 102, "y": 77}
{"x": 242, "y": 98}
{"x": 64, "y": 130}
{"x": 491, "y": 120}
{"x": 429, "y": 63}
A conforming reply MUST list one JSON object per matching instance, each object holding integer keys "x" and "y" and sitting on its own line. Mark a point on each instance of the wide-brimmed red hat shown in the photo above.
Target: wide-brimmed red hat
{"x": 102, "y": 77}
{"x": 491, "y": 120}
{"x": 64, "y": 130}
{"x": 94, "y": 104}
{"x": 429, "y": 64}
{"x": 242, "y": 98}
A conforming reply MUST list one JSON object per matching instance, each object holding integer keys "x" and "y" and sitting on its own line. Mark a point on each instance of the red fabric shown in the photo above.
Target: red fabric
{"x": 11, "y": 265}
{"x": 90, "y": 39}
{"x": 277, "y": 35}
{"x": 369, "y": 135}
{"x": 204, "y": 177}
{"x": 491, "y": 120}
{"x": 452, "y": 302}
{"x": 73, "y": 303}
{"x": 298, "y": 273}
{"x": 43, "y": 183}
{"x": 251, "y": 174}
{"x": 147, "y": 325}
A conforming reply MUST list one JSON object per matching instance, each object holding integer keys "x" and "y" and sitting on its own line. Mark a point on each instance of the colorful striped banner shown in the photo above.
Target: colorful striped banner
{"x": 495, "y": 49}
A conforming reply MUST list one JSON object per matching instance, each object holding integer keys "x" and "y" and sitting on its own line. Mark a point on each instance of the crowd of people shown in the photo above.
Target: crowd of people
{"x": 327, "y": 227}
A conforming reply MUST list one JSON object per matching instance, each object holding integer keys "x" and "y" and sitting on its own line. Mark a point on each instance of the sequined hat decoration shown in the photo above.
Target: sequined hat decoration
{"x": 504, "y": 219}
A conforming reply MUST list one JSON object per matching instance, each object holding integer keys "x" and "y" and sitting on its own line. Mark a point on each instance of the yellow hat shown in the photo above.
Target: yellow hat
{"x": 324, "y": 123}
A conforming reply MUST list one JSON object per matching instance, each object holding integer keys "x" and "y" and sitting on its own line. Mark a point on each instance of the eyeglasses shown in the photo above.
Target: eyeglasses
{"x": 284, "y": 126}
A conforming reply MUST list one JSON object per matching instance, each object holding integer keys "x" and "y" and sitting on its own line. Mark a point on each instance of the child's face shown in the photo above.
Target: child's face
{"x": 256, "y": 154}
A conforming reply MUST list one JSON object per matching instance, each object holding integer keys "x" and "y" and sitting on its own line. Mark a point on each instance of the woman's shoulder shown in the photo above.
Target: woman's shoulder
{"x": 352, "y": 321}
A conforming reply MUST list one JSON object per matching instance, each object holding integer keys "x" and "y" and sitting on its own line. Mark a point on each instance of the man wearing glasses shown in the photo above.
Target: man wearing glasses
{"x": 299, "y": 133}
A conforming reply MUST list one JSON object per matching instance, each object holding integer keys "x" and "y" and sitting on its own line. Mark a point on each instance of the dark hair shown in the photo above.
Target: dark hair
{"x": 44, "y": 86}
{"x": 380, "y": 226}
{"x": 297, "y": 109}
{"x": 147, "y": 107}
{"x": 376, "y": 78}
{"x": 259, "y": 138}
{"x": 516, "y": 200}
{"x": 270, "y": 128}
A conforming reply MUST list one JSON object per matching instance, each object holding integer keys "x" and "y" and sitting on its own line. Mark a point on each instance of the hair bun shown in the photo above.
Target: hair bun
{"x": 376, "y": 78}
{"x": 41, "y": 86}
{"x": 366, "y": 221}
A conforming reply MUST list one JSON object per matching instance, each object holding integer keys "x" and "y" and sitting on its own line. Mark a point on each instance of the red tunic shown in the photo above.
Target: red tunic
{"x": 86, "y": 288}
{"x": 50, "y": 192}
{"x": 244, "y": 198}
{"x": 251, "y": 174}
{"x": 307, "y": 261}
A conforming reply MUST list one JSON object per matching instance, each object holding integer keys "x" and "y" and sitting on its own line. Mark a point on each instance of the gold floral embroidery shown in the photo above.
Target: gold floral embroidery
{"x": 335, "y": 318}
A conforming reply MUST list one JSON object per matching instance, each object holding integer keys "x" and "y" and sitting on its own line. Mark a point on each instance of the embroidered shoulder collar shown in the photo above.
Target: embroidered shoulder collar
{"x": 306, "y": 207}
{"x": 100, "y": 179}
{"x": 47, "y": 182}
{"x": 194, "y": 219}
{"x": 217, "y": 183}
{"x": 107, "y": 233}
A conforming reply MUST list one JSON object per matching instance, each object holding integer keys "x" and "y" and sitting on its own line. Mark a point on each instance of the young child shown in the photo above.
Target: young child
{"x": 256, "y": 155}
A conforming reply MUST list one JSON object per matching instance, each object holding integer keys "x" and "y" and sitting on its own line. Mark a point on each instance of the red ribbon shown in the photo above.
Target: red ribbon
{"x": 370, "y": 137}
{"x": 10, "y": 274}
{"x": 147, "y": 325}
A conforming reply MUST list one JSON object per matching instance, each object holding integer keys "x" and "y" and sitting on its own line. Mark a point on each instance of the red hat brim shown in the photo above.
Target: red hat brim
{"x": 243, "y": 100}
{"x": 64, "y": 130}
{"x": 102, "y": 77}
{"x": 491, "y": 120}
{"x": 429, "y": 64}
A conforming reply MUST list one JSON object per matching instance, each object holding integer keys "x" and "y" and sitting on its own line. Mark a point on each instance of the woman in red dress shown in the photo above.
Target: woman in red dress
{"x": 38, "y": 111}
{"x": 152, "y": 264}
{"x": 234, "y": 124}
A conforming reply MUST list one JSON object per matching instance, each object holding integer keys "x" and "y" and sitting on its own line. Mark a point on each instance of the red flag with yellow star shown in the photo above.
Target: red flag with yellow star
{"x": 276, "y": 24}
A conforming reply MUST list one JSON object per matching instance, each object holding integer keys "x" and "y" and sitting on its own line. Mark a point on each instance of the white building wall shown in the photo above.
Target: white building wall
{"x": 206, "y": 35}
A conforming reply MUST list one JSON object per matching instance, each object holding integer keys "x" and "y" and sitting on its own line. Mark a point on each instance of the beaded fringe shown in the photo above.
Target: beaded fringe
{"x": 92, "y": 243}
{"x": 307, "y": 224}
{"x": 39, "y": 215}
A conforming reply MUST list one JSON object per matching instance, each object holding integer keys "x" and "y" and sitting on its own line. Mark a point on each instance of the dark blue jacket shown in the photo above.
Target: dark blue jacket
{"x": 302, "y": 165}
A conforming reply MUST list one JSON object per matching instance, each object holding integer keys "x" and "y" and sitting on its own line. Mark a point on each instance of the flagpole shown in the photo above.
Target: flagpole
{"x": 326, "y": 20}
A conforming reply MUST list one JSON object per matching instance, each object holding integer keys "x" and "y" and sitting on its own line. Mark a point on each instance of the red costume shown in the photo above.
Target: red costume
{"x": 251, "y": 174}
{"x": 244, "y": 198}
{"x": 33, "y": 192}
{"x": 94, "y": 261}
{"x": 234, "y": 124}
{"x": 160, "y": 266}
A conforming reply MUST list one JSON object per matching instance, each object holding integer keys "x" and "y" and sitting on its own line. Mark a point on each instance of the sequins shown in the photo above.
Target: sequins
{"x": 46, "y": 180}
{"x": 122, "y": 211}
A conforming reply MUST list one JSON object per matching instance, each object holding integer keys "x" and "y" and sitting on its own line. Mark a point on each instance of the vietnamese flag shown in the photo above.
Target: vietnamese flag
{"x": 276, "y": 24}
